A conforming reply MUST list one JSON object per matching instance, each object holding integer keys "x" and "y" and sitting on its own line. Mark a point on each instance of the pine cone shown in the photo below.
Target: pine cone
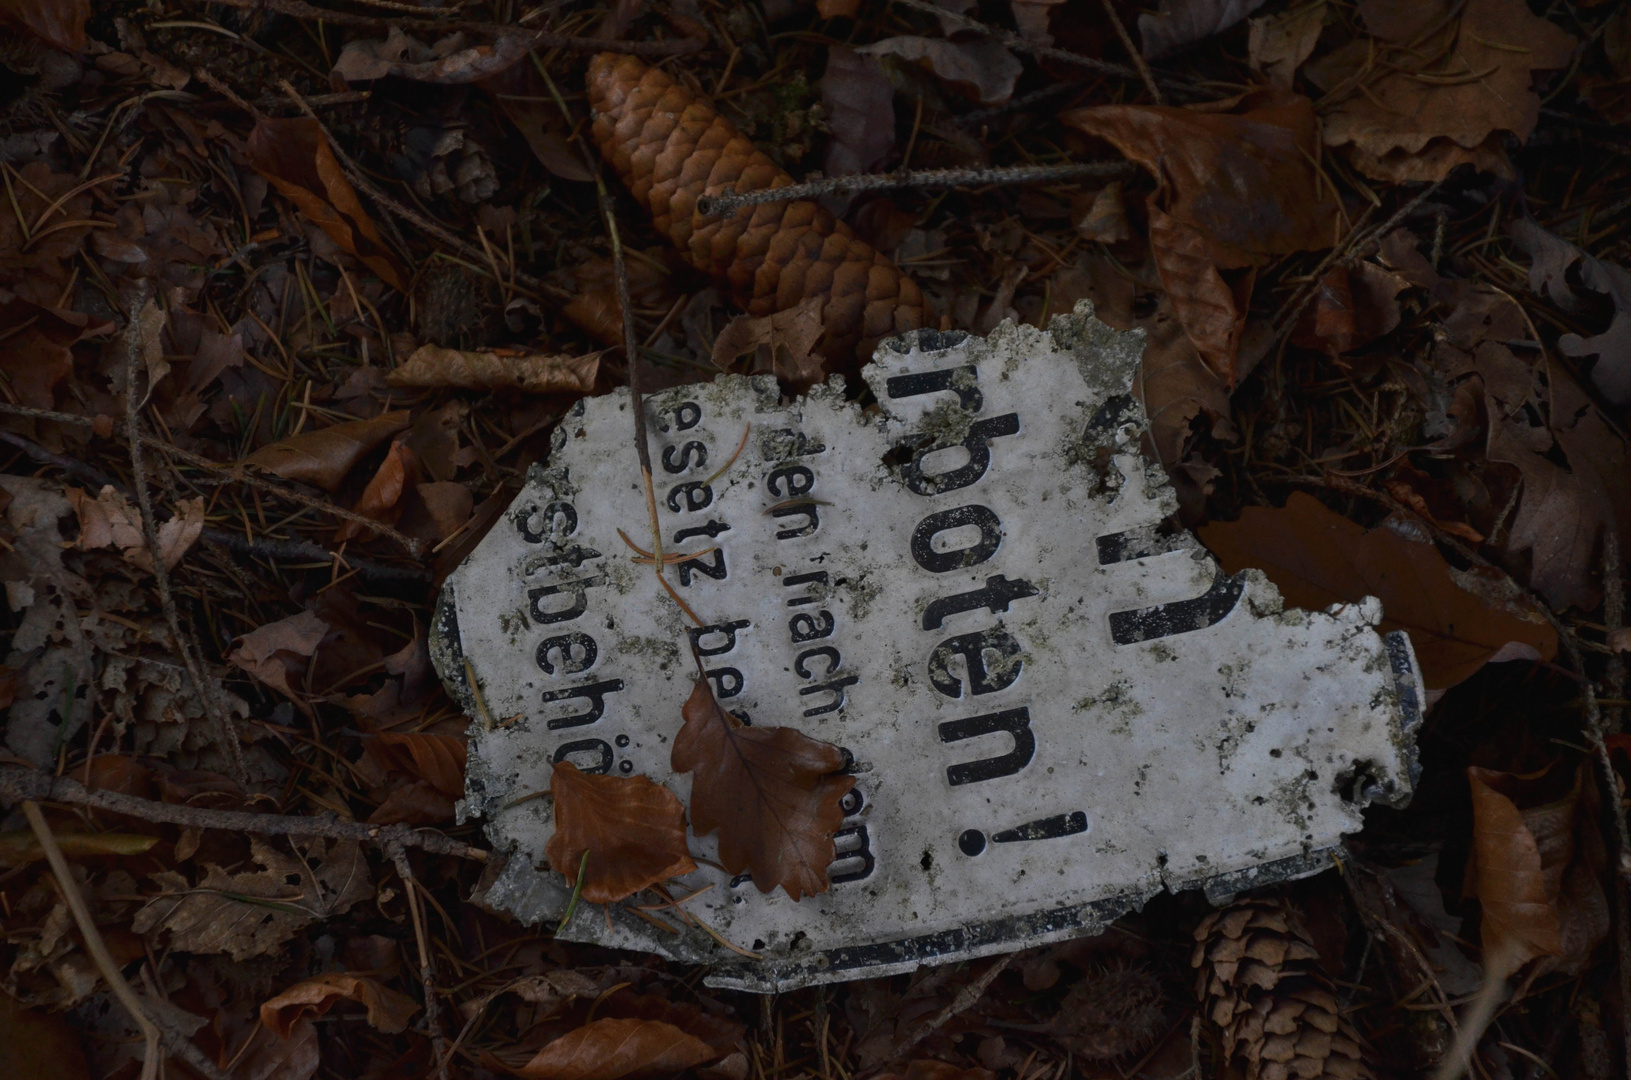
{"x": 671, "y": 147}
{"x": 1261, "y": 984}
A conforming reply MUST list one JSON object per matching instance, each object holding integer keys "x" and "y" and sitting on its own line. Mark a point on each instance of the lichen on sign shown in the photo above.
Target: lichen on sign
{"x": 1056, "y": 705}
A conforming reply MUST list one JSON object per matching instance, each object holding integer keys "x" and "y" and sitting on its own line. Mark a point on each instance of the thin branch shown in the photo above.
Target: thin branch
{"x": 17, "y": 784}
{"x": 1133, "y": 52}
{"x": 232, "y": 470}
{"x": 152, "y": 1031}
{"x": 966, "y": 999}
{"x": 225, "y": 734}
{"x": 427, "y": 972}
{"x": 729, "y": 201}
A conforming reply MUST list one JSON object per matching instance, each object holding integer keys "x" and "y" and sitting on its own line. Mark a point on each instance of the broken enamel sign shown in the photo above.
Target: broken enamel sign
{"x": 1056, "y": 704}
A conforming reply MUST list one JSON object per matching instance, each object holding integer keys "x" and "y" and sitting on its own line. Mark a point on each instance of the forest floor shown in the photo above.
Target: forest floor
{"x": 292, "y": 296}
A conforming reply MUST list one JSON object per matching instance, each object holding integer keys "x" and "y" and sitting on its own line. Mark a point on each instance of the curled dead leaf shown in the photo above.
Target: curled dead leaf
{"x": 324, "y": 457}
{"x": 1317, "y": 557}
{"x": 275, "y": 652}
{"x": 296, "y": 159}
{"x": 609, "y": 1049}
{"x": 783, "y": 343}
{"x": 1520, "y": 922}
{"x": 633, "y": 831}
{"x": 980, "y": 69}
{"x": 773, "y": 794}
{"x": 388, "y": 1010}
{"x": 439, "y": 760}
{"x": 382, "y": 498}
{"x": 449, "y": 60}
{"x": 433, "y": 365}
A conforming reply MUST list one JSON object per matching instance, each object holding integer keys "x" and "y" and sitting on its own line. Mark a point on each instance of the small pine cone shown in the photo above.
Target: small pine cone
{"x": 671, "y": 148}
{"x": 1261, "y": 984}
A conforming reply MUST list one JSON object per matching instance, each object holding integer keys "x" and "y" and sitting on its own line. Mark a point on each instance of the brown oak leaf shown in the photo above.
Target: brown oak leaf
{"x": 772, "y": 792}
{"x": 632, "y": 829}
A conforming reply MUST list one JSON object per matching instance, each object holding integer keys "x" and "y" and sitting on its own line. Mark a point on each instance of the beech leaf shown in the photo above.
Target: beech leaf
{"x": 632, "y": 829}
{"x": 324, "y": 457}
{"x": 772, "y": 792}
{"x": 434, "y": 366}
{"x": 1520, "y": 922}
{"x": 439, "y": 760}
{"x": 382, "y": 498}
{"x": 1317, "y": 557}
{"x": 860, "y": 104}
{"x": 612, "y": 1048}
{"x": 275, "y": 651}
{"x": 59, "y": 23}
{"x": 1182, "y": 23}
{"x": 388, "y": 1010}
{"x": 783, "y": 343}
{"x": 980, "y": 69}
{"x": 296, "y": 159}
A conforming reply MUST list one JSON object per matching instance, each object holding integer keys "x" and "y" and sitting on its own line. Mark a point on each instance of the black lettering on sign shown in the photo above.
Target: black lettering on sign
{"x": 973, "y": 647}
{"x": 784, "y": 443}
{"x": 697, "y": 496}
{"x": 978, "y": 444}
{"x": 852, "y": 859}
{"x": 715, "y": 569}
{"x": 687, "y": 415}
{"x": 539, "y": 525}
{"x": 677, "y": 459}
{"x": 728, "y": 682}
{"x": 806, "y": 510}
{"x": 594, "y": 693}
{"x": 1015, "y": 722}
{"x": 577, "y": 590}
{"x": 1048, "y": 828}
{"x": 807, "y": 627}
{"x": 598, "y": 751}
{"x": 574, "y": 556}
{"x": 569, "y": 665}
{"x": 798, "y": 479}
{"x": 835, "y": 687}
{"x": 1180, "y": 616}
{"x": 817, "y": 577}
{"x": 959, "y": 380}
{"x": 1139, "y": 543}
{"x": 802, "y": 664}
{"x": 726, "y": 630}
{"x": 998, "y": 593}
{"x": 710, "y": 530}
{"x": 940, "y": 562}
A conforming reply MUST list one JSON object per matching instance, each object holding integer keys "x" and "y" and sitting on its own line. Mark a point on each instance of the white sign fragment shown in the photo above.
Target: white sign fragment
{"x": 1056, "y": 705}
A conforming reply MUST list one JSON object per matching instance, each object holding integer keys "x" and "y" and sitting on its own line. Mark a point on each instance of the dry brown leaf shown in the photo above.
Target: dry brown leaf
{"x": 523, "y": 97}
{"x": 1520, "y": 922}
{"x": 38, "y": 1045}
{"x": 59, "y": 23}
{"x": 252, "y": 912}
{"x": 783, "y": 344}
{"x": 295, "y": 158}
{"x": 414, "y": 802}
{"x": 278, "y": 650}
{"x": 1420, "y": 124}
{"x": 110, "y": 521}
{"x": 448, "y": 504}
{"x": 439, "y": 760}
{"x": 1317, "y": 558}
{"x": 860, "y": 104}
{"x": 980, "y": 69}
{"x": 267, "y": 1057}
{"x": 1104, "y": 216}
{"x": 1552, "y": 257}
{"x": 37, "y": 355}
{"x": 450, "y": 60}
{"x": 1176, "y": 387}
{"x": 22, "y": 847}
{"x": 1351, "y": 308}
{"x": 1182, "y": 23}
{"x": 1235, "y": 190}
{"x": 1280, "y": 43}
{"x": 382, "y": 498}
{"x": 773, "y": 794}
{"x": 388, "y": 1011}
{"x": 536, "y": 373}
{"x": 612, "y": 1048}
{"x": 324, "y": 457}
{"x": 632, "y": 829}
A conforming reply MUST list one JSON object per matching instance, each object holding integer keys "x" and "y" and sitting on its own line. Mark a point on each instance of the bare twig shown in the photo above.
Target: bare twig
{"x": 537, "y": 39}
{"x": 1133, "y": 52}
{"x": 730, "y": 201}
{"x": 17, "y": 783}
{"x": 427, "y": 972}
{"x": 965, "y": 1000}
{"x": 232, "y": 470}
{"x": 152, "y": 1031}
{"x": 304, "y": 551}
{"x": 191, "y": 656}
